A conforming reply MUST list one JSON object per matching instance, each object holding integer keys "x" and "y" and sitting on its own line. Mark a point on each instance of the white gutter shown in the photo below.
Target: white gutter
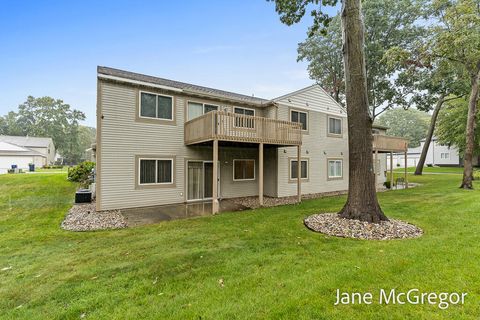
{"x": 143, "y": 83}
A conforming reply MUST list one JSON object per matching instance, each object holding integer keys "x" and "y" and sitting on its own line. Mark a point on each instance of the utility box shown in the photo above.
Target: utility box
{"x": 83, "y": 196}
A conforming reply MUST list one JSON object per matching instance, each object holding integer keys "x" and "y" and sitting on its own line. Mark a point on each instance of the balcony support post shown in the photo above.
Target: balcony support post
{"x": 215, "y": 204}
{"x": 260, "y": 174}
{"x": 391, "y": 170}
{"x": 299, "y": 173}
{"x": 406, "y": 182}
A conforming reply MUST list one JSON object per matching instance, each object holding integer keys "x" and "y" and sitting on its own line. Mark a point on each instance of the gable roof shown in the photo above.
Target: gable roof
{"x": 11, "y": 149}
{"x": 33, "y": 142}
{"x": 314, "y": 98}
{"x": 116, "y": 74}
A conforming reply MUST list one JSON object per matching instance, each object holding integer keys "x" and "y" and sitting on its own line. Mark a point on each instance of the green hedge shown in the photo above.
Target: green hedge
{"x": 81, "y": 172}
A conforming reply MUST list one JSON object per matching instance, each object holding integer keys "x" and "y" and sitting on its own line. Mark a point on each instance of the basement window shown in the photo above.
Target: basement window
{"x": 156, "y": 171}
{"x": 335, "y": 169}
{"x": 294, "y": 169}
{"x": 243, "y": 169}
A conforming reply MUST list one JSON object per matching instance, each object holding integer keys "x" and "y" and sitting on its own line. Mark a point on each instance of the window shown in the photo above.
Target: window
{"x": 156, "y": 106}
{"x": 300, "y": 117}
{"x": 335, "y": 169}
{"x": 334, "y": 126}
{"x": 244, "y": 122}
{"x": 444, "y": 155}
{"x": 196, "y": 109}
{"x": 294, "y": 169}
{"x": 243, "y": 170}
{"x": 156, "y": 171}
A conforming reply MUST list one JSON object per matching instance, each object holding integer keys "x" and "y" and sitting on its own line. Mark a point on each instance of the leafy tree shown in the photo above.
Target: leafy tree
{"x": 362, "y": 202}
{"x": 457, "y": 40}
{"x": 324, "y": 54}
{"x": 47, "y": 117}
{"x": 410, "y": 124}
{"x": 452, "y": 126}
{"x": 388, "y": 23}
{"x": 431, "y": 79}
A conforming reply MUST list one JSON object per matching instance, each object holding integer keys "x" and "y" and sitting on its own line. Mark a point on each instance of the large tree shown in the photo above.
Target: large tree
{"x": 47, "y": 117}
{"x": 411, "y": 124}
{"x": 457, "y": 39}
{"x": 362, "y": 202}
{"x": 431, "y": 79}
{"x": 388, "y": 23}
{"x": 451, "y": 126}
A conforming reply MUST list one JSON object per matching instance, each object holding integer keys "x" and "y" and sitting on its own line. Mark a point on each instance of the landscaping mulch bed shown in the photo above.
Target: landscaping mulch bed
{"x": 332, "y": 224}
{"x": 252, "y": 202}
{"x": 84, "y": 217}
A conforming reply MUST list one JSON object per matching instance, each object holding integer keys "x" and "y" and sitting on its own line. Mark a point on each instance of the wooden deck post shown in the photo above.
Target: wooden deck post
{"x": 375, "y": 166}
{"x": 406, "y": 181}
{"x": 299, "y": 173}
{"x": 260, "y": 173}
{"x": 391, "y": 170}
{"x": 215, "y": 205}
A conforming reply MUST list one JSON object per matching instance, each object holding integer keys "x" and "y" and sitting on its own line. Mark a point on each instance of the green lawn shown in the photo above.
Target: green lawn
{"x": 458, "y": 170}
{"x": 272, "y": 266}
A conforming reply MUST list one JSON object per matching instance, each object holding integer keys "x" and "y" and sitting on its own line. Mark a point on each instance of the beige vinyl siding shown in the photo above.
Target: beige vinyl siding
{"x": 122, "y": 138}
{"x": 318, "y": 145}
{"x": 270, "y": 172}
{"x": 313, "y": 98}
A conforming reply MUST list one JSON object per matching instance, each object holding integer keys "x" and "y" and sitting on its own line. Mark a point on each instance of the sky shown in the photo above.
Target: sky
{"x": 52, "y": 48}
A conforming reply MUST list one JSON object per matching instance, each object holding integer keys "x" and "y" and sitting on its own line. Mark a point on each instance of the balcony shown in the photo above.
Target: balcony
{"x": 227, "y": 126}
{"x": 383, "y": 143}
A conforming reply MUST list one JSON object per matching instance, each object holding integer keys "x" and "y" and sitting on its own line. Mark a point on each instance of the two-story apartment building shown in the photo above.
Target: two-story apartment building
{"x": 163, "y": 142}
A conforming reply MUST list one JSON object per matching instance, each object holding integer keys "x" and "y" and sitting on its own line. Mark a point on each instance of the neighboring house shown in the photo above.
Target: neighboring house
{"x": 437, "y": 155}
{"x": 12, "y": 154}
{"x": 42, "y": 145}
{"x": 162, "y": 142}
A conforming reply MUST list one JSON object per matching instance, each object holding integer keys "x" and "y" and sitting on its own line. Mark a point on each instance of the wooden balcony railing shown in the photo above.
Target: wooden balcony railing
{"x": 227, "y": 126}
{"x": 389, "y": 143}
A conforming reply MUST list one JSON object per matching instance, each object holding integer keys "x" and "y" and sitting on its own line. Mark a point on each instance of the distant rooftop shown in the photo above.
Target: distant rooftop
{"x": 7, "y": 148}
{"x": 35, "y": 142}
{"x": 185, "y": 87}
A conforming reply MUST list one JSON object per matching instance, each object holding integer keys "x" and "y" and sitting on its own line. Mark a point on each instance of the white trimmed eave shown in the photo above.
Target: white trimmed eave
{"x": 188, "y": 92}
{"x": 137, "y": 82}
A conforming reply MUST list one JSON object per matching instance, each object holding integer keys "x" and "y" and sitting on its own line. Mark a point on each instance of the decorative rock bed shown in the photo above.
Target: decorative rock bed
{"x": 84, "y": 217}
{"x": 332, "y": 224}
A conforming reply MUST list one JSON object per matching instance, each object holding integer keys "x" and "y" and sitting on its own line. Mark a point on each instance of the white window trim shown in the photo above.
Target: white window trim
{"x": 156, "y": 172}
{"x": 244, "y": 127}
{"x": 156, "y": 106}
{"x": 328, "y": 172}
{"x": 308, "y": 169}
{"x": 328, "y": 126}
{"x": 299, "y": 111}
{"x": 254, "y": 169}
{"x": 203, "y": 107}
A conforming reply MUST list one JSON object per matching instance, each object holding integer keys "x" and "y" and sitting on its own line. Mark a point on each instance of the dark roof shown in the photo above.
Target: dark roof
{"x": 186, "y": 87}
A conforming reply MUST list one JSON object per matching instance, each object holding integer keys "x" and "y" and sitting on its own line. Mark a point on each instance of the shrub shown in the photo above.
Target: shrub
{"x": 81, "y": 173}
{"x": 476, "y": 175}
{"x": 53, "y": 167}
{"x": 387, "y": 184}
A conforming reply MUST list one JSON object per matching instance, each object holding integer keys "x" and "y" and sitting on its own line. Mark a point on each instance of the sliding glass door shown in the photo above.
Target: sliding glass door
{"x": 200, "y": 180}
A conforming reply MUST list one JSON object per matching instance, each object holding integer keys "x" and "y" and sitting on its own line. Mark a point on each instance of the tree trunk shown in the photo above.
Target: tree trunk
{"x": 428, "y": 139}
{"x": 472, "y": 110}
{"x": 362, "y": 203}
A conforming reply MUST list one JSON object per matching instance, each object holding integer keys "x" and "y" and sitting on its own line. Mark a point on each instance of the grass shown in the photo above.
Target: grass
{"x": 456, "y": 170}
{"x": 64, "y": 169}
{"x": 272, "y": 266}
